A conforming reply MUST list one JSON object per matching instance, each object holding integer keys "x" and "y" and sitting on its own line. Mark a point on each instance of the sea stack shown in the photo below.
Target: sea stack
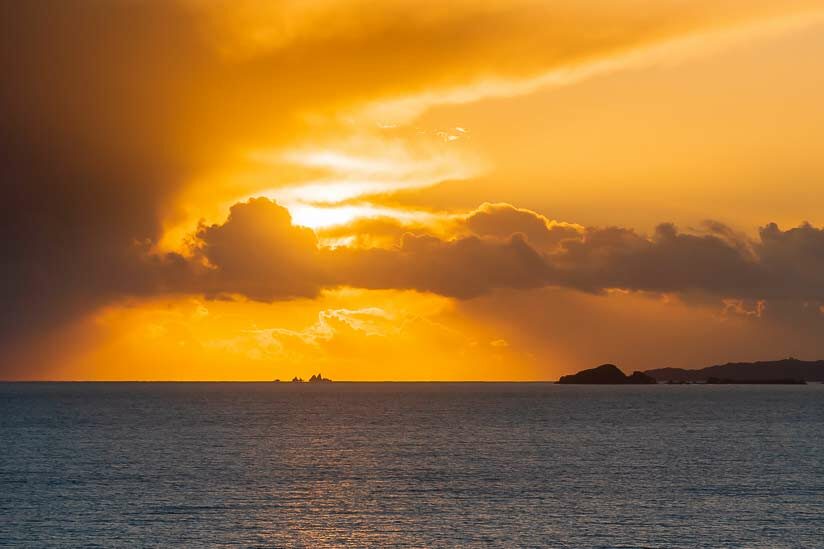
{"x": 319, "y": 379}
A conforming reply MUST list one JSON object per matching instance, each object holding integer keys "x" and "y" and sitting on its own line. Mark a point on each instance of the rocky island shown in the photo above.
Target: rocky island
{"x": 317, "y": 378}
{"x": 607, "y": 374}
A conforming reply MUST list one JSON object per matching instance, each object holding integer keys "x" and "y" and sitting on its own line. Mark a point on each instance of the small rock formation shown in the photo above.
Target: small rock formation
{"x": 607, "y": 374}
{"x": 297, "y": 379}
{"x": 319, "y": 379}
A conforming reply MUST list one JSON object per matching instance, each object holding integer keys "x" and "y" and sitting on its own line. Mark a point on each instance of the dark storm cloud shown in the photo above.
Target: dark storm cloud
{"x": 87, "y": 156}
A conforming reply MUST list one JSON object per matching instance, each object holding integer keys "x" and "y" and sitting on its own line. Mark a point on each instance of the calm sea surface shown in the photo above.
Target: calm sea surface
{"x": 423, "y": 465}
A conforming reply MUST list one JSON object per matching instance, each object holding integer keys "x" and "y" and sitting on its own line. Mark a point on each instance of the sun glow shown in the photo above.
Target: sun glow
{"x": 418, "y": 336}
{"x": 328, "y": 184}
{"x": 370, "y": 164}
{"x": 319, "y": 217}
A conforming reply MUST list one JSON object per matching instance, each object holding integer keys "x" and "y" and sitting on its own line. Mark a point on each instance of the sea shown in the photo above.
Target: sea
{"x": 410, "y": 465}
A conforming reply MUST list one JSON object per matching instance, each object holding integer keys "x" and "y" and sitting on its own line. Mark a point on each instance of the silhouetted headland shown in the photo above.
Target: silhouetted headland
{"x": 775, "y": 371}
{"x": 607, "y": 374}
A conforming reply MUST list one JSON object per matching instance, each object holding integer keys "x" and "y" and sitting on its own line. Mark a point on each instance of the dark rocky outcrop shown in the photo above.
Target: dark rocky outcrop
{"x": 606, "y": 374}
{"x": 319, "y": 379}
{"x": 752, "y": 372}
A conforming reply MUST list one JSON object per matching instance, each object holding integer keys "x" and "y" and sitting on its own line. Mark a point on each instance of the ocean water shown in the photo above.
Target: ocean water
{"x": 413, "y": 465}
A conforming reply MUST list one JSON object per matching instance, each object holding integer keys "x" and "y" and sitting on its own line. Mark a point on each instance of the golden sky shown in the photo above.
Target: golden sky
{"x": 408, "y": 190}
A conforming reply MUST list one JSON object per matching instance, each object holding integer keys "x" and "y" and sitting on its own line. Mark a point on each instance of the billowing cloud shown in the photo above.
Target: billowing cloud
{"x": 778, "y": 265}
{"x": 260, "y": 254}
{"x": 504, "y": 220}
{"x": 464, "y": 267}
{"x": 668, "y": 261}
{"x": 495, "y": 221}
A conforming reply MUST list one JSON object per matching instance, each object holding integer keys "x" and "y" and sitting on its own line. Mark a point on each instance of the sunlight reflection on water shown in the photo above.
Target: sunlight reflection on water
{"x": 411, "y": 465}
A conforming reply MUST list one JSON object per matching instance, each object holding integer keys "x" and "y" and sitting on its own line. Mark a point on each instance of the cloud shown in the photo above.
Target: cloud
{"x": 493, "y": 221}
{"x": 668, "y": 261}
{"x": 504, "y": 220}
{"x": 374, "y": 232}
{"x": 793, "y": 260}
{"x": 464, "y": 267}
{"x": 260, "y": 254}
{"x": 778, "y": 265}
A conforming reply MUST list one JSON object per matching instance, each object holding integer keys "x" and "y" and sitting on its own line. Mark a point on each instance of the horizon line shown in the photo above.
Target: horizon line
{"x": 286, "y": 382}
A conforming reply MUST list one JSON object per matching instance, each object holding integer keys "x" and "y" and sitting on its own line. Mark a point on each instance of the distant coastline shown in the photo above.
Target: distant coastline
{"x": 789, "y": 371}
{"x": 746, "y": 372}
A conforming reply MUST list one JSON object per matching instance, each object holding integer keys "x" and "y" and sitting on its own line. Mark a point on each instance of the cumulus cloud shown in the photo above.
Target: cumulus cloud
{"x": 260, "y": 254}
{"x": 668, "y": 261}
{"x": 463, "y": 267}
{"x": 778, "y": 265}
{"x": 504, "y": 220}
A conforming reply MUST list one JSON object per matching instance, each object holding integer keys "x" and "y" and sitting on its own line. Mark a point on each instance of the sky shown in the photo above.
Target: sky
{"x": 408, "y": 190}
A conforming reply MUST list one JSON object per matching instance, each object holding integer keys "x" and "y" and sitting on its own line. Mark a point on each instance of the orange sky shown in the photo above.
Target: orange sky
{"x": 214, "y": 190}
